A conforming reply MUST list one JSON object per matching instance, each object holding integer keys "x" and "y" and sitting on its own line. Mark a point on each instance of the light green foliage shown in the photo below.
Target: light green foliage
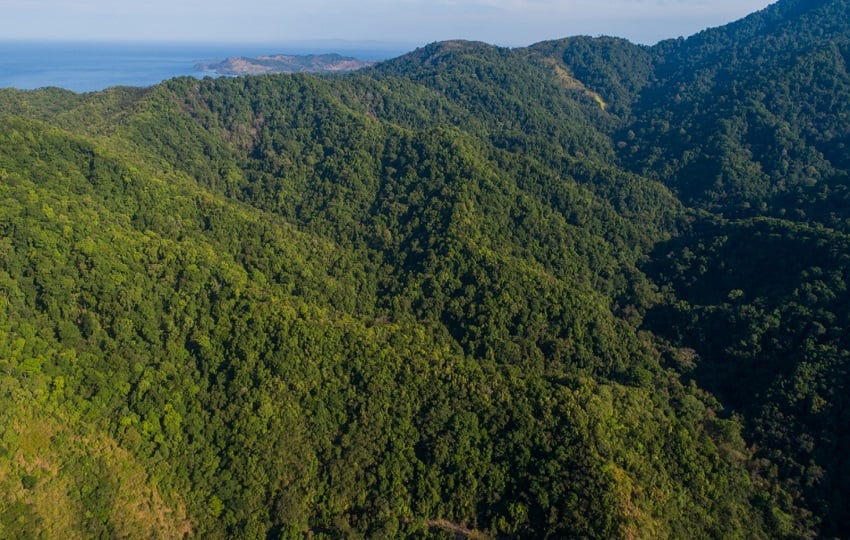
{"x": 448, "y": 293}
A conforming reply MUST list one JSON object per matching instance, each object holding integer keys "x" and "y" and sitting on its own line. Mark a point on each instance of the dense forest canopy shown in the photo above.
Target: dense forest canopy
{"x": 581, "y": 289}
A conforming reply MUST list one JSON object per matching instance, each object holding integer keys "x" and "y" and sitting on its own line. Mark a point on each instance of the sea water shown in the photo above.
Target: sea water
{"x": 86, "y": 67}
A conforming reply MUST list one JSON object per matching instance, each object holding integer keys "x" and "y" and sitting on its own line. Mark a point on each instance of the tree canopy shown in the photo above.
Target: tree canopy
{"x": 581, "y": 289}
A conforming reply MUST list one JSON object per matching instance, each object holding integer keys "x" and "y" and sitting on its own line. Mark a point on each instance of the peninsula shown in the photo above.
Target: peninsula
{"x": 284, "y": 63}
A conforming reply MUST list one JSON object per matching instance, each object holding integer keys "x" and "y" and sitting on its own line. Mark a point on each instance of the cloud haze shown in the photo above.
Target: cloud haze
{"x": 506, "y": 22}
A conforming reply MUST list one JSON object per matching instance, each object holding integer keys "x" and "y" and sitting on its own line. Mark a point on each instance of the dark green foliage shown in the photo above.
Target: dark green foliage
{"x": 459, "y": 291}
{"x": 29, "y": 481}
{"x": 615, "y": 68}
{"x": 773, "y": 345}
{"x": 751, "y": 119}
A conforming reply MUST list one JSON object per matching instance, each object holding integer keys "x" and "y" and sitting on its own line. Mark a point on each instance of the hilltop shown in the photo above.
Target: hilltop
{"x": 585, "y": 288}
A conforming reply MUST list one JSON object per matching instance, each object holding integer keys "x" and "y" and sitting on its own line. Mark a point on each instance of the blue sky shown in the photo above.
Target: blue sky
{"x": 502, "y": 22}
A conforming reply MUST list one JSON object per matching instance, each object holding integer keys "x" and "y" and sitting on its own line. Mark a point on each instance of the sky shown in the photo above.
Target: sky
{"x": 500, "y": 22}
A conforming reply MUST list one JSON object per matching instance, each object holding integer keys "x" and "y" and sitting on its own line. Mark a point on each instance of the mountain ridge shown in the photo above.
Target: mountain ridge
{"x": 446, "y": 293}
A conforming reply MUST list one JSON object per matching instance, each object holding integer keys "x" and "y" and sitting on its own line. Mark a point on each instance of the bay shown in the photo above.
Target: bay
{"x": 92, "y": 66}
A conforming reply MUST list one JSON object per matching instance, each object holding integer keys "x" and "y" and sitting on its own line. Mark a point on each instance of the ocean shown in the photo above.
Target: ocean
{"x": 87, "y": 67}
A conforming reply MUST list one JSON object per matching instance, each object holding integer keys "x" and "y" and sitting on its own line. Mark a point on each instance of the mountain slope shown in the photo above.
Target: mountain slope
{"x": 228, "y": 353}
{"x": 750, "y": 119}
{"x": 509, "y": 292}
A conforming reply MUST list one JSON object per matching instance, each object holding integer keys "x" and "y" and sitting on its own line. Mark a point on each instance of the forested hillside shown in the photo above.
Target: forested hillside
{"x": 581, "y": 289}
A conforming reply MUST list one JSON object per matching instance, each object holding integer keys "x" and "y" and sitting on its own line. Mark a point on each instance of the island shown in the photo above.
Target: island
{"x": 284, "y": 63}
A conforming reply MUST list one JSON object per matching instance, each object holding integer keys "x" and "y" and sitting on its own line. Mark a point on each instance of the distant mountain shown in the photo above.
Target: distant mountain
{"x": 285, "y": 63}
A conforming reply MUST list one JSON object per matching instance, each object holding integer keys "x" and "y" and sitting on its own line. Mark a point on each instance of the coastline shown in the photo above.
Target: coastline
{"x": 93, "y": 66}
